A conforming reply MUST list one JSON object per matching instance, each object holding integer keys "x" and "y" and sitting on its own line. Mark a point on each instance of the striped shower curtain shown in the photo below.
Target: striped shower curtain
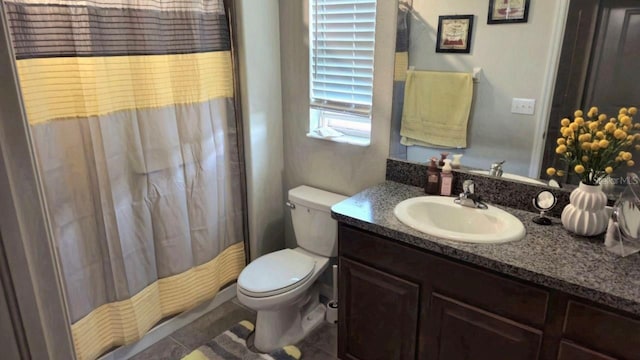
{"x": 396, "y": 149}
{"x": 130, "y": 106}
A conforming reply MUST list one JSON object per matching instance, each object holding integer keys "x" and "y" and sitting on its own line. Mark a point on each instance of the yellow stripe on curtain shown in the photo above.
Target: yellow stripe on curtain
{"x": 402, "y": 64}
{"x": 126, "y": 321}
{"x": 72, "y": 87}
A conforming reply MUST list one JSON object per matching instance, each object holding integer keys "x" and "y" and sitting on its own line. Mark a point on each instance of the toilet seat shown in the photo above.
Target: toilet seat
{"x": 275, "y": 273}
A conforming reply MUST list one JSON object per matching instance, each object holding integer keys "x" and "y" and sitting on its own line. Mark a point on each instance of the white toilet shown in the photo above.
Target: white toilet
{"x": 280, "y": 285}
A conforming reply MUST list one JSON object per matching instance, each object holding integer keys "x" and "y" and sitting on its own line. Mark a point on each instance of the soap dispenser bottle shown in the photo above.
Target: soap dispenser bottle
{"x": 443, "y": 156}
{"x": 446, "y": 179}
{"x": 433, "y": 178}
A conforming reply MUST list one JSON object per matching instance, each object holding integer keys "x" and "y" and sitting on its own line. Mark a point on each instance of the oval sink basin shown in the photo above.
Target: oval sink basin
{"x": 440, "y": 216}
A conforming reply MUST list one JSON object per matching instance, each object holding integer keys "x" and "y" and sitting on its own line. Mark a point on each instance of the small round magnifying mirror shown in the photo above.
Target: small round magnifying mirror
{"x": 544, "y": 201}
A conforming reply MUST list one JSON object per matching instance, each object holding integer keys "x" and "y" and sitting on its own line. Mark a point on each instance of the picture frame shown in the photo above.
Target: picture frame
{"x": 508, "y": 11}
{"x": 454, "y": 34}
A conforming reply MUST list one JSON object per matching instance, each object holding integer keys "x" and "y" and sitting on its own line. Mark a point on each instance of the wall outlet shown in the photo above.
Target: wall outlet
{"x": 523, "y": 106}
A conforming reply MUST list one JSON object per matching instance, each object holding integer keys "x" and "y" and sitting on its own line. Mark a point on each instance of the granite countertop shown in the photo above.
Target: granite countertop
{"x": 548, "y": 255}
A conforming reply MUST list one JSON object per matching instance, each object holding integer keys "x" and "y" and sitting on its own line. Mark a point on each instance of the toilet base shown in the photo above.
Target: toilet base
{"x": 289, "y": 325}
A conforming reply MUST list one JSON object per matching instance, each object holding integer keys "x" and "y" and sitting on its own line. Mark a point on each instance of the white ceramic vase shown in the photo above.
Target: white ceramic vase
{"x": 586, "y": 214}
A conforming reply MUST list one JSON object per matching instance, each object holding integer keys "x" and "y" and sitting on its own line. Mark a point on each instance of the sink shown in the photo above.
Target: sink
{"x": 512, "y": 177}
{"x": 440, "y": 216}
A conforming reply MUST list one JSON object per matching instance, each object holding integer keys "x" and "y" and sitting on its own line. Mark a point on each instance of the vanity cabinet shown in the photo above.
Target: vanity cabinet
{"x": 400, "y": 302}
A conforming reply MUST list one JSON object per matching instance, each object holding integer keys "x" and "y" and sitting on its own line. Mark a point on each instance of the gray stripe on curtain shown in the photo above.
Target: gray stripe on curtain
{"x": 403, "y": 30}
{"x": 55, "y": 31}
{"x": 139, "y": 195}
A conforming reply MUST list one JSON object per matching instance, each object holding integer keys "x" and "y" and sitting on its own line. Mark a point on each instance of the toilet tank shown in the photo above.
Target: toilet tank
{"x": 313, "y": 226}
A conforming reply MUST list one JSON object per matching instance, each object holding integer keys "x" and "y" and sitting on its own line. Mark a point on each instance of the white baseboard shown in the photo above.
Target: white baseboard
{"x": 166, "y": 328}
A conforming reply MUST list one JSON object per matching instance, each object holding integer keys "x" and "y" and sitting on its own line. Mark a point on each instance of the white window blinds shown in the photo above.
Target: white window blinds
{"x": 342, "y": 46}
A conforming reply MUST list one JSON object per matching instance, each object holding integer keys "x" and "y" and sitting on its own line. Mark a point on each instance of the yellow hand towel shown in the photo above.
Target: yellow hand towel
{"x": 436, "y": 109}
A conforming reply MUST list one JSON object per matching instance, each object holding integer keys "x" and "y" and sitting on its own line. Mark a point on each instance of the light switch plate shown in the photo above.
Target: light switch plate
{"x": 523, "y": 106}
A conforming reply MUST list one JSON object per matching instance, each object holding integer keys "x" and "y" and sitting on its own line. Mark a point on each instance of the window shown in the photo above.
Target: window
{"x": 342, "y": 36}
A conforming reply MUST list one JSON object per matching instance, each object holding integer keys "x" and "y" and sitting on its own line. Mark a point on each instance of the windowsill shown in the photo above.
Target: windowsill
{"x": 345, "y": 139}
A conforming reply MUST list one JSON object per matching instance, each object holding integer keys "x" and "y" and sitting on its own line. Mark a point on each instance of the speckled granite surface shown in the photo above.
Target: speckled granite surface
{"x": 501, "y": 191}
{"x": 547, "y": 256}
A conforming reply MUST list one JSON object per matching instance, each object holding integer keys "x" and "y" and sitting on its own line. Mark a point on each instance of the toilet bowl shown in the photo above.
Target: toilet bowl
{"x": 281, "y": 286}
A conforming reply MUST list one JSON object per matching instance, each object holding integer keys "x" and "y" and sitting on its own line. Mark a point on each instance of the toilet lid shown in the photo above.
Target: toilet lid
{"x": 279, "y": 270}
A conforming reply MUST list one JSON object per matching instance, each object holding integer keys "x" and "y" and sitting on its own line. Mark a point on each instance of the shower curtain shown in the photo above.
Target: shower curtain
{"x": 130, "y": 106}
{"x": 396, "y": 149}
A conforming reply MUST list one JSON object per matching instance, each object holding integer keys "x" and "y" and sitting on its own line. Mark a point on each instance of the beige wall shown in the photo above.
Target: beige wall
{"x": 515, "y": 61}
{"x": 259, "y": 57}
{"x": 341, "y": 168}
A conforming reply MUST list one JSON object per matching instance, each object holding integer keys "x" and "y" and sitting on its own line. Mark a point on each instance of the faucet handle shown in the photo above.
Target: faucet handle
{"x": 468, "y": 187}
{"x": 496, "y": 168}
{"x": 468, "y": 198}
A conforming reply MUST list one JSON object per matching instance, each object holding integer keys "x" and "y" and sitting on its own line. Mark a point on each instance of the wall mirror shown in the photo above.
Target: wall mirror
{"x": 525, "y": 60}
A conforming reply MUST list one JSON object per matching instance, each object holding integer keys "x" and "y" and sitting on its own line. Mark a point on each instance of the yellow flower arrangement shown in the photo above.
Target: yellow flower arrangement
{"x": 594, "y": 145}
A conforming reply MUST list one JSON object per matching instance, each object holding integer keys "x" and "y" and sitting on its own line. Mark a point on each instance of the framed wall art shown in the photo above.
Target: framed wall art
{"x": 508, "y": 11}
{"x": 454, "y": 34}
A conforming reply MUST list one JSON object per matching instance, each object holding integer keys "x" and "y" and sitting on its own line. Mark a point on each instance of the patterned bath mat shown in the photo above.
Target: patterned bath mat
{"x": 232, "y": 345}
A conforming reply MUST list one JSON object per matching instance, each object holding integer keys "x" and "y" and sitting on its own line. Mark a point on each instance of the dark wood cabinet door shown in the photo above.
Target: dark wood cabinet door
{"x": 459, "y": 331}
{"x": 569, "y": 351}
{"x": 378, "y": 314}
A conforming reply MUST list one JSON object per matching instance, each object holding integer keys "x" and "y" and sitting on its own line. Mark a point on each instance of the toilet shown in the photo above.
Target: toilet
{"x": 280, "y": 286}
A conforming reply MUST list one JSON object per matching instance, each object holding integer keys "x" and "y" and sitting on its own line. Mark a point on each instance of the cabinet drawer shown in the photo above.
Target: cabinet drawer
{"x": 602, "y": 330}
{"x": 509, "y": 298}
{"x": 382, "y": 254}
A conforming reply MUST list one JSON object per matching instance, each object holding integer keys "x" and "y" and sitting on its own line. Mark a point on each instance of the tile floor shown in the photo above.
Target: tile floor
{"x": 321, "y": 344}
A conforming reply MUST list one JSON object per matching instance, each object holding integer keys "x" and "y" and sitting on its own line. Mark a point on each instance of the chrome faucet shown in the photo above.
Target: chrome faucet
{"x": 468, "y": 197}
{"x": 496, "y": 168}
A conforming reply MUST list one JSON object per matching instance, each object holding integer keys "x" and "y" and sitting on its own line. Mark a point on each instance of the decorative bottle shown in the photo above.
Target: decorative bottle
{"x": 433, "y": 178}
